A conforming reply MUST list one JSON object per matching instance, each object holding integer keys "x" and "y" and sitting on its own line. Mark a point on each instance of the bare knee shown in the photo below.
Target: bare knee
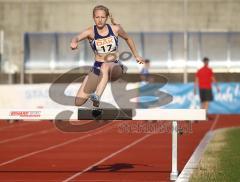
{"x": 116, "y": 72}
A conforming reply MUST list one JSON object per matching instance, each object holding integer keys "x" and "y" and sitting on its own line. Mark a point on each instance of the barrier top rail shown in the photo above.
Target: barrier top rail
{"x": 110, "y": 114}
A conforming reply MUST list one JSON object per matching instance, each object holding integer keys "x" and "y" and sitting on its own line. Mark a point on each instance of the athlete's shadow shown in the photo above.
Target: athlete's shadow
{"x": 123, "y": 168}
{"x": 117, "y": 167}
{"x": 112, "y": 168}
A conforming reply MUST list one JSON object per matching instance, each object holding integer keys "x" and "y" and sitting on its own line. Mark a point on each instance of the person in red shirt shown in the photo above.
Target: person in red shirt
{"x": 204, "y": 79}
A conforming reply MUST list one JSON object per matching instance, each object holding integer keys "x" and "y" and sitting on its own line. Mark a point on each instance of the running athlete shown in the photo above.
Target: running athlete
{"x": 103, "y": 39}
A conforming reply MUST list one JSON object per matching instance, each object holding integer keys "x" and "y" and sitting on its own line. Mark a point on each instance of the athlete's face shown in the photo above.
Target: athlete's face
{"x": 100, "y": 18}
{"x": 205, "y": 63}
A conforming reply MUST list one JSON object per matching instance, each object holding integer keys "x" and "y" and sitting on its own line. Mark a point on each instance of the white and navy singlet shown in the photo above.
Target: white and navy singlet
{"x": 104, "y": 44}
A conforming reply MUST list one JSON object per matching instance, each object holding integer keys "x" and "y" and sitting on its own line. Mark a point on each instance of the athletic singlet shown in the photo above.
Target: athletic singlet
{"x": 104, "y": 44}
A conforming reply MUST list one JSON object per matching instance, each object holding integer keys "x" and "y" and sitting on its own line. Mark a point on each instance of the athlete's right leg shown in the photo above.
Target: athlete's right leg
{"x": 88, "y": 86}
{"x": 204, "y": 105}
{"x": 103, "y": 79}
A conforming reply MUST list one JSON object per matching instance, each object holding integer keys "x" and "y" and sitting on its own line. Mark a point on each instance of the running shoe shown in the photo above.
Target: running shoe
{"x": 95, "y": 99}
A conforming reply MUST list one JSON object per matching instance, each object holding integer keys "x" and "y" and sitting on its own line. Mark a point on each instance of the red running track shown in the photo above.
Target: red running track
{"x": 119, "y": 151}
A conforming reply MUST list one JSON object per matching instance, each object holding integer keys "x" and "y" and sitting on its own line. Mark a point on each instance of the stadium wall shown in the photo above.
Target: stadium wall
{"x": 19, "y": 16}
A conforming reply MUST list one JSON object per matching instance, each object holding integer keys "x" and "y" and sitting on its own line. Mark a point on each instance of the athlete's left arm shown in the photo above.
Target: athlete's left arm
{"x": 121, "y": 32}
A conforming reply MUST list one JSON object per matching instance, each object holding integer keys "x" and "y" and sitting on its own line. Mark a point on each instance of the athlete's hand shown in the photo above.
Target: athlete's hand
{"x": 74, "y": 45}
{"x": 140, "y": 60}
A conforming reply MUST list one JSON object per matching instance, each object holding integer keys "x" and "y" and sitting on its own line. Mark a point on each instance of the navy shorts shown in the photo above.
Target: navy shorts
{"x": 206, "y": 95}
{"x": 97, "y": 67}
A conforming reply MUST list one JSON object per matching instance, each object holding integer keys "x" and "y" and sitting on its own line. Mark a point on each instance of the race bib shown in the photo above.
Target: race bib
{"x": 105, "y": 45}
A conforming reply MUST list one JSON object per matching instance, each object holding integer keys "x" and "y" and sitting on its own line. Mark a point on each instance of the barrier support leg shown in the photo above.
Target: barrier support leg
{"x": 174, "y": 172}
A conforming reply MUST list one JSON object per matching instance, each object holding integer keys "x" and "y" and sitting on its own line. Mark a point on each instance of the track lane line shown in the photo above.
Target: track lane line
{"x": 193, "y": 161}
{"x": 104, "y": 128}
{"x": 27, "y": 135}
{"x": 108, "y": 157}
{"x": 15, "y": 125}
{"x": 215, "y": 122}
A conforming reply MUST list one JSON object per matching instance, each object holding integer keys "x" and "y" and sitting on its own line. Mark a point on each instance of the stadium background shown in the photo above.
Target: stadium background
{"x": 216, "y": 19}
{"x": 173, "y": 34}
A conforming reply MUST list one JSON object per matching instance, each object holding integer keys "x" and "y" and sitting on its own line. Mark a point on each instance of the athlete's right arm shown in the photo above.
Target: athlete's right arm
{"x": 81, "y": 36}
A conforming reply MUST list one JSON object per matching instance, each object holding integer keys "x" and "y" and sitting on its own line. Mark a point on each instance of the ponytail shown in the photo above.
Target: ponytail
{"x": 112, "y": 19}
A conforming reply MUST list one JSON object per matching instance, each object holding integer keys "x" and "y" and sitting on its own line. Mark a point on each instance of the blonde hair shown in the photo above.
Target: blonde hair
{"x": 108, "y": 14}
